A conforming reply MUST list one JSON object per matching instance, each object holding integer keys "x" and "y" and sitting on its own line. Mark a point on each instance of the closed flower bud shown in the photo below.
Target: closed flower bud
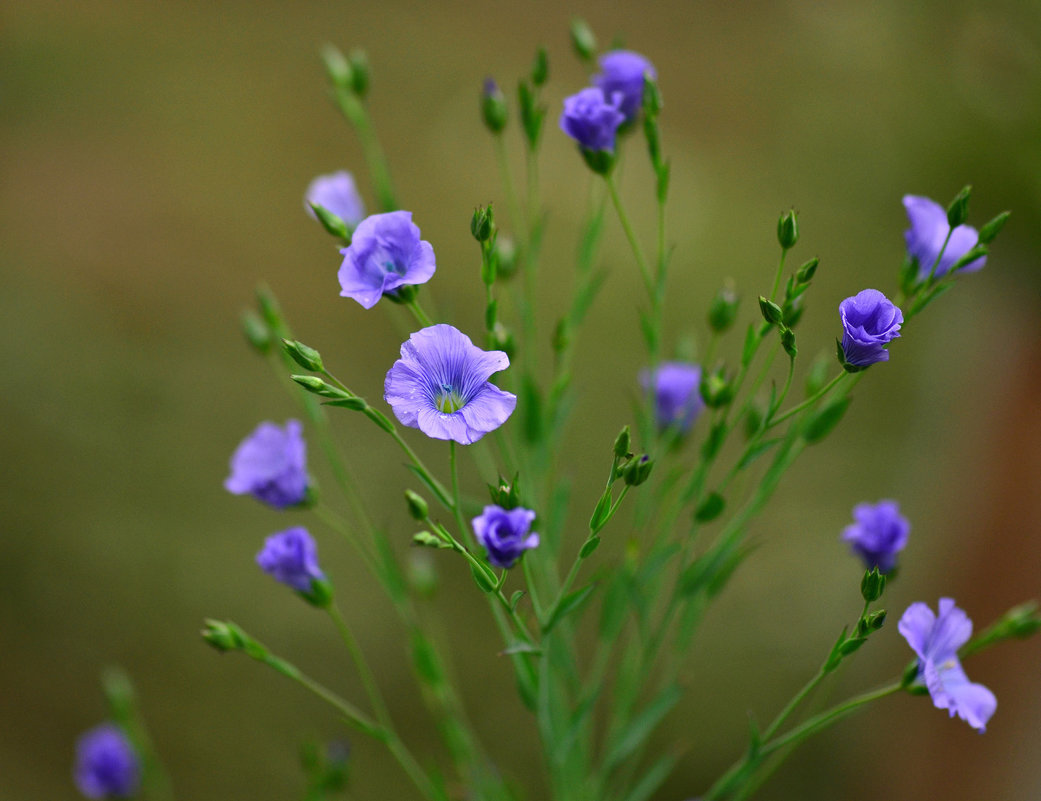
{"x": 482, "y": 223}
{"x": 256, "y": 331}
{"x": 638, "y": 470}
{"x": 991, "y": 229}
{"x": 222, "y": 636}
{"x": 504, "y": 493}
{"x": 306, "y": 357}
{"x": 788, "y": 230}
{"x": 582, "y": 39}
{"x": 872, "y": 585}
{"x": 958, "y": 211}
{"x": 425, "y": 539}
{"x": 716, "y": 390}
{"x": 337, "y": 67}
{"x": 417, "y": 506}
{"x": 723, "y": 310}
{"x": 771, "y": 311}
{"x": 494, "y": 111}
{"x": 806, "y": 272}
{"x": 788, "y": 342}
{"x": 621, "y": 444}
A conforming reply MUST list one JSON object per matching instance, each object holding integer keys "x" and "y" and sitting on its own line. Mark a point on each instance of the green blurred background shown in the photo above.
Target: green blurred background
{"x": 154, "y": 156}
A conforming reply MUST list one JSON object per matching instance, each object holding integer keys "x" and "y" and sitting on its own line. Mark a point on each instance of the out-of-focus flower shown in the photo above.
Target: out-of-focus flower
{"x": 869, "y": 321}
{"x": 291, "y": 557}
{"x": 337, "y": 193}
{"x": 440, "y": 386}
{"x": 271, "y": 465}
{"x": 505, "y": 533}
{"x": 385, "y": 253}
{"x": 928, "y": 232}
{"x": 591, "y": 120}
{"x": 677, "y": 400}
{"x": 878, "y": 535}
{"x": 622, "y": 72}
{"x": 106, "y": 764}
{"x": 936, "y": 639}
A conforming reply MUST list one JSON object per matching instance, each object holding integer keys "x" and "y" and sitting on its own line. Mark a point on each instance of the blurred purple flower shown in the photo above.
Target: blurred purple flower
{"x": 106, "y": 764}
{"x": 936, "y": 640}
{"x": 440, "y": 386}
{"x": 504, "y": 533}
{"x": 591, "y": 120}
{"x": 869, "y": 321}
{"x": 337, "y": 193}
{"x": 271, "y": 465}
{"x": 927, "y": 234}
{"x": 291, "y": 557}
{"x": 878, "y": 535}
{"x": 622, "y": 72}
{"x": 677, "y": 399}
{"x": 385, "y": 253}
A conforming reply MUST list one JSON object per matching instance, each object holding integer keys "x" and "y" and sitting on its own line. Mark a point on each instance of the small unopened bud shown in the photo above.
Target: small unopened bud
{"x": 482, "y": 223}
{"x": 788, "y": 342}
{"x": 337, "y": 67}
{"x": 332, "y": 223}
{"x": 715, "y": 389}
{"x": 876, "y": 620}
{"x": 723, "y": 310}
{"x": 771, "y": 311}
{"x": 788, "y": 230}
{"x": 805, "y": 273}
{"x": 991, "y": 229}
{"x": 638, "y": 470}
{"x": 258, "y": 335}
{"x": 494, "y": 111}
{"x": 958, "y": 211}
{"x": 224, "y": 636}
{"x": 427, "y": 540}
{"x": 306, "y": 357}
{"x": 417, "y": 506}
{"x": 872, "y": 585}
{"x": 316, "y": 385}
{"x": 582, "y": 39}
{"x": 621, "y": 444}
{"x": 504, "y": 493}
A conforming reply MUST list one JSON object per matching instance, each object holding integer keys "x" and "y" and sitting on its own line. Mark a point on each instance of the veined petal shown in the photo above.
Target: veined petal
{"x": 916, "y": 626}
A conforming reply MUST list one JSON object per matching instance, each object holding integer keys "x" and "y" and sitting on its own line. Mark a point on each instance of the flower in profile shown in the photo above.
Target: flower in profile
{"x": 271, "y": 465}
{"x": 337, "y": 193}
{"x": 291, "y": 557}
{"x": 878, "y": 535}
{"x": 622, "y": 72}
{"x": 677, "y": 399}
{"x": 505, "y": 533}
{"x": 869, "y": 321}
{"x": 591, "y": 120}
{"x": 936, "y": 640}
{"x": 440, "y": 386}
{"x": 927, "y": 234}
{"x": 107, "y": 766}
{"x": 385, "y": 253}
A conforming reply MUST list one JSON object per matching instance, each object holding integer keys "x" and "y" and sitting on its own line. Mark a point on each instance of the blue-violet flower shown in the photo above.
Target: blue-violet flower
{"x": 337, "y": 193}
{"x": 385, "y": 253}
{"x": 106, "y": 764}
{"x": 504, "y": 533}
{"x": 927, "y": 234}
{"x": 936, "y": 640}
{"x": 271, "y": 465}
{"x": 878, "y": 535}
{"x": 677, "y": 399}
{"x": 591, "y": 120}
{"x": 440, "y": 386}
{"x": 622, "y": 71}
{"x": 291, "y": 557}
{"x": 869, "y": 321}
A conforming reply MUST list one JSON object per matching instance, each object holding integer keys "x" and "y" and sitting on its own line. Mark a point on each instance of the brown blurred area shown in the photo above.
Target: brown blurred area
{"x": 153, "y": 158}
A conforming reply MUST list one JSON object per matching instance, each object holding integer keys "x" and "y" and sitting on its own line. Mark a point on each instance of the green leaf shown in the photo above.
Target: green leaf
{"x": 652, "y": 779}
{"x": 588, "y": 547}
{"x": 602, "y": 512}
{"x": 756, "y": 451}
{"x": 751, "y": 342}
{"x": 710, "y": 508}
{"x": 570, "y": 603}
{"x": 642, "y": 726}
{"x": 821, "y": 424}
{"x": 516, "y": 598}
{"x": 482, "y": 579}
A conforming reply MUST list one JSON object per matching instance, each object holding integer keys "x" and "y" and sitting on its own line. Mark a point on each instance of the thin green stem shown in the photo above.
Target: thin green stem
{"x": 368, "y": 680}
{"x": 778, "y": 274}
{"x": 630, "y": 235}
{"x": 421, "y": 316}
{"x": 809, "y": 401}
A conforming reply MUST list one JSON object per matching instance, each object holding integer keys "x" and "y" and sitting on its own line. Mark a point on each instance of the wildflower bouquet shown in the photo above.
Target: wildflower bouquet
{"x": 595, "y": 647}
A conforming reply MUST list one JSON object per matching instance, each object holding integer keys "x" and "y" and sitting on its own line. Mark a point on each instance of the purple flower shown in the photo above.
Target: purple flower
{"x": 936, "y": 640}
{"x": 878, "y": 535}
{"x": 337, "y": 193}
{"x": 677, "y": 399}
{"x": 440, "y": 386}
{"x": 271, "y": 465}
{"x": 385, "y": 253}
{"x": 927, "y": 234}
{"x": 590, "y": 120}
{"x": 290, "y": 556}
{"x": 504, "y": 533}
{"x": 106, "y": 764}
{"x": 622, "y": 73}
{"x": 869, "y": 322}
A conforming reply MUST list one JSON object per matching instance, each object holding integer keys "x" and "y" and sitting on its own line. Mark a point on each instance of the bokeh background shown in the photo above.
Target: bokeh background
{"x": 153, "y": 158}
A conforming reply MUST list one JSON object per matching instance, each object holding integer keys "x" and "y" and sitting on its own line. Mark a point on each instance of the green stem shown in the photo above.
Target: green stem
{"x": 778, "y": 274}
{"x": 421, "y": 316}
{"x": 809, "y": 401}
{"x": 623, "y": 218}
{"x": 354, "y": 111}
{"x": 368, "y": 680}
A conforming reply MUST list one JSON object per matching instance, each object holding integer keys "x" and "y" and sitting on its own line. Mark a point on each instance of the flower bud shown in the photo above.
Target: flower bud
{"x": 805, "y": 273}
{"x": 337, "y": 67}
{"x": 494, "y": 111}
{"x": 224, "y": 636}
{"x": 638, "y": 470}
{"x": 427, "y": 540}
{"x": 621, "y": 444}
{"x": 771, "y": 311}
{"x": 716, "y": 390}
{"x": 317, "y": 386}
{"x": 306, "y": 357}
{"x": 876, "y": 620}
{"x": 417, "y": 506}
{"x": 958, "y": 211}
{"x": 872, "y": 585}
{"x": 257, "y": 333}
{"x": 582, "y": 39}
{"x": 482, "y": 223}
{"x": 788, "y": 230}
{"x": 723, "y": 310}
{"x": 504, "y": 493}
{"x": 991, "y": 229}
{"x": 540, "y": 70}
{"x": 788, "y": 342}
{"x": 332, "y": 223}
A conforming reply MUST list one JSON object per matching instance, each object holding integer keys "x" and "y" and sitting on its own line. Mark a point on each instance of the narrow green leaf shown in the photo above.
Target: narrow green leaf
{"x": 570, "y": 603}
{"x": 825, "y": 420}
{"x": 710, "y": 508}
{"x": 642, "y": 726}
{"x": 588, "y": 547}
{"x": 756, "y": 451}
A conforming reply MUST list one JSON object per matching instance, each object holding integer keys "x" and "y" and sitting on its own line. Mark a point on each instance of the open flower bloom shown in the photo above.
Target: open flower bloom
{"x": 504, "y": 533}
{"x": 591, "y": 120}
{"x": 106, "y": 764}
{"x": 927, "y": 234}
{"x": 291, "y": 557}
{"x": 869, "y": 322}
{"x": 936, "y": 639}
{"x": 337, "y": 193}
{"x": 385, "y": 253}
{"x": 271, "y": 465}
{"x": 878, "y": 535}
{"x": 440, "y": 386}
{"x": 622, "y": 71}
{"x": 677, "y": 398}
